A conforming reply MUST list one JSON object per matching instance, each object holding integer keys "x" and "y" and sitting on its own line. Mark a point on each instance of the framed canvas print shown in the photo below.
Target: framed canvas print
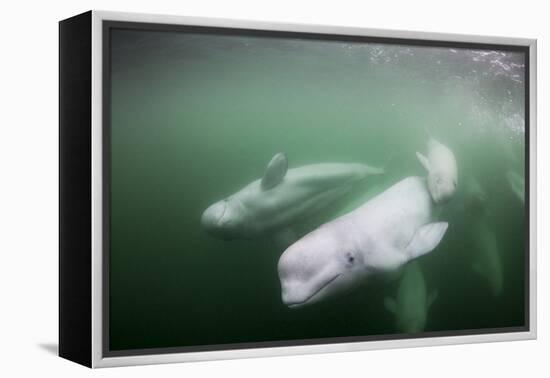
{"x": 238, "y": 189}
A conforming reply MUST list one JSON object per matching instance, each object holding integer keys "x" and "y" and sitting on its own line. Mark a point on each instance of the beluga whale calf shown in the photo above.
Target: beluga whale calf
{"x": 382, "y": 235}
{"x": 272, "y": 204}
{"x": 440, "y": 163}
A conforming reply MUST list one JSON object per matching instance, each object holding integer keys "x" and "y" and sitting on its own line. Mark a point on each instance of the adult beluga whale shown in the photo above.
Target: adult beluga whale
{"x": 442, "y": 171}
{"x": 281, "y": 198}
{"x": 381, "y": 235}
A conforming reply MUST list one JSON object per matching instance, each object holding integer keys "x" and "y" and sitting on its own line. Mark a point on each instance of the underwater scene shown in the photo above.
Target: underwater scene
{"x": 278, "y": 189}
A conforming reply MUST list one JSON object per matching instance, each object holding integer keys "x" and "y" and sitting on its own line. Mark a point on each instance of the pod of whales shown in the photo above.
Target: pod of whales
{"x": 381, "y": 231}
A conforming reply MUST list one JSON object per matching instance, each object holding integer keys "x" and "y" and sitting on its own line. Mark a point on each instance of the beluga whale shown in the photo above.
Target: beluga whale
{"x": 476, "y": 197}
{"x": 271, "y": 205}
{"x": 486, "y": 255}
{"x": 381, "y": 235}
{"x": 440, "y": 164}
{"x": 413, "y": 302}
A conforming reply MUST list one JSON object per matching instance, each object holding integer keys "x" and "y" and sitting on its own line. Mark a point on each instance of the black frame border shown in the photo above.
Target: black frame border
{"x": 75, "y": 192}
{"x": 107, "y": 26}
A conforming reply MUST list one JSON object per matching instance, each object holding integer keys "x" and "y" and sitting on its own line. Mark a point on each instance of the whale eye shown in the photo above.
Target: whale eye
{"x": 350, "y": 258}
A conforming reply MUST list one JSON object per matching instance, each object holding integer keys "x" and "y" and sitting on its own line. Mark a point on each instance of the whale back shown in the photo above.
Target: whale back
{"x": 402, "y": 208}
{"x": 329, "y": 175}
{"x": 301, "y": 192}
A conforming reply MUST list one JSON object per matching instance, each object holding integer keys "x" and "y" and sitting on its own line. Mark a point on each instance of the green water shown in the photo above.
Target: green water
{"x": 196, "y": 117}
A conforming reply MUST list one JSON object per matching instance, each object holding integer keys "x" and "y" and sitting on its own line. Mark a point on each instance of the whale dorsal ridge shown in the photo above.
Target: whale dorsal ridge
{"x": 275, "y": 171}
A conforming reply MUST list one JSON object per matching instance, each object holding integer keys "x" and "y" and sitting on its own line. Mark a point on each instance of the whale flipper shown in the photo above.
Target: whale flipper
{"x": 275, "y": 171}
{"x": 426, "y": 238}
{"x": 424, "y": 161}
{"x": 390, "y": 305}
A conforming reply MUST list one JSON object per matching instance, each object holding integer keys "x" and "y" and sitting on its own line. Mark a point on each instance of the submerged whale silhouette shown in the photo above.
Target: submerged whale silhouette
{"x": 486, "y": 258}
{"x": 412, "y": 303}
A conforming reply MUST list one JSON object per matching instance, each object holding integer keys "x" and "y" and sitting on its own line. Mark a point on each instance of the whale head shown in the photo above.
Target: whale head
{"x": 318, "y": 266}
{"x": 441, "y": 167}
{"x": 442, "y": 187}
{"x": 223, "y": 219}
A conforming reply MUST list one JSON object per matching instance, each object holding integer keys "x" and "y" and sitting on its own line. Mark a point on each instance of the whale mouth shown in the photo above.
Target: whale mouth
{"x": 312, "y": 296}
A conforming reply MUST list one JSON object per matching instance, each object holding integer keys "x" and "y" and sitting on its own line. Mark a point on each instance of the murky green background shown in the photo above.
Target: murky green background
{"x": 196, "y": 117}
